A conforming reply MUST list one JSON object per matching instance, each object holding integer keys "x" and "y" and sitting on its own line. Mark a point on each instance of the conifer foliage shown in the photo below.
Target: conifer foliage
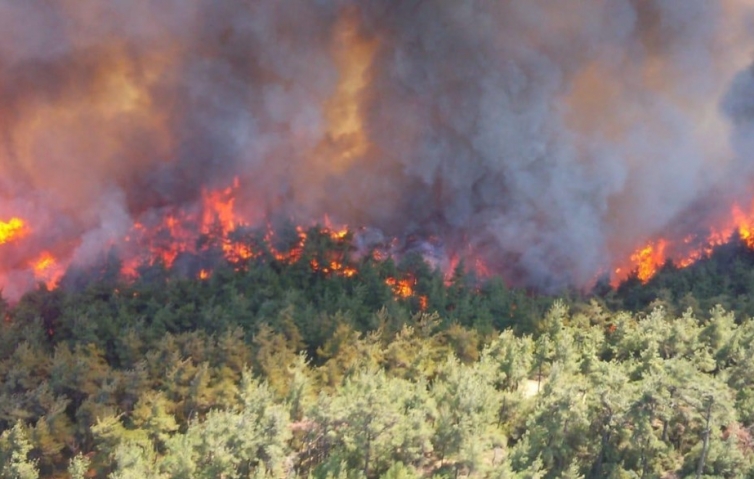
{"x": 278, "y": 371}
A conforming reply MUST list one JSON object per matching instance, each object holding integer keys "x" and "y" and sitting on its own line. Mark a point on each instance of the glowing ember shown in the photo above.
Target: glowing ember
{"x": 13, "y": 229}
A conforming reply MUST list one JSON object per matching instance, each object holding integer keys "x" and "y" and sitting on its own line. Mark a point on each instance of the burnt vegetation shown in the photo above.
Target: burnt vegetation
{"x": 302, "y": 360}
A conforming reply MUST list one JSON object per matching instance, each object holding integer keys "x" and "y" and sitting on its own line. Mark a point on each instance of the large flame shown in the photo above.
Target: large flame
{"x": 13, "y": 229}
{"x": 684, "y": 252}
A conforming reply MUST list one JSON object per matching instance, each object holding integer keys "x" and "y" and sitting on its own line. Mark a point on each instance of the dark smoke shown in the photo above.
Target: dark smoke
{"x": 547, "y": 140}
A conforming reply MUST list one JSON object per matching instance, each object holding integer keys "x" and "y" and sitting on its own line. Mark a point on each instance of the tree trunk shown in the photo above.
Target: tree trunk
{"x": 367, "y": 455}
{"x": 601, "y": 457}
{"x": 644, "y": 460}
{"x": 705, "y": 445}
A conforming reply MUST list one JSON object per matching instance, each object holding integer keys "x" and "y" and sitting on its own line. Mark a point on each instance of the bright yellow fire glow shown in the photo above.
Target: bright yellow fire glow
{"x": 13, "y": 229}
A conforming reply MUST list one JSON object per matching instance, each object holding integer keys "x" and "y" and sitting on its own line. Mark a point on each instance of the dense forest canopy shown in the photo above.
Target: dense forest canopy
{"x": 280, "y": 368}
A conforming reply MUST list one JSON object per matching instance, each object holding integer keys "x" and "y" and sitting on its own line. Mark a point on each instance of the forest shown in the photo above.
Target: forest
{"x": 280, "y": 367}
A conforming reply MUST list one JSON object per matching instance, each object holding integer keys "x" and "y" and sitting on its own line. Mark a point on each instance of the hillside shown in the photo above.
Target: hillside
{"x": 280, "y": 368}
{"x": 723, "y": 276}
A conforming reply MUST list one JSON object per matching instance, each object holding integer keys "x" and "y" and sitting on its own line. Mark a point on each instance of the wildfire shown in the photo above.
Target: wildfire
{"x": 44, "y": 267}
{"x": 210, "y": 227}
{"x": 179, "y": 231}
{"x": 649, "y": 258}
{"x": 291, "y": 255}
{"x": 744, "y": 224}
{"x": 346, "y": 271}
{"x": 335, "y": 267}
{"x": 215, "y": 224}
{"x": 219, "y": 208}
{"x": 219, "y": 211}
{"x": 403, "y": 288}
{"x": 646, "y": 260}
{"x": 47, "y": 270}
{"x": 336, "y": 233}
{"x": 13, "y": 229}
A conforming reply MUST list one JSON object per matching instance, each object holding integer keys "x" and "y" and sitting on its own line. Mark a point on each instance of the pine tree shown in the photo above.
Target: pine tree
{"x": 373, "y": 421}
{"x": 467, "y": 403}
{"x": 512, "y": 357}
{"x": 78, "y": 466}
{"x": 14, "y": 455}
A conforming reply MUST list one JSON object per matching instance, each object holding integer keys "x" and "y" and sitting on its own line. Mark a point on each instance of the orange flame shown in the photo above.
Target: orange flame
{"x": 402, "y": 288}
{"x": 647, "y": 259}
{"x": 47, "y": 269}
{"x": 336, "y": 233}
{"x": 217, "y": 221}
{"x": 292, "y": 255}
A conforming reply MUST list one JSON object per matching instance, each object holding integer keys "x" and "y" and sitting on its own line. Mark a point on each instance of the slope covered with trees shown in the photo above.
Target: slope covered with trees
{"x": 725, "y": 276}
{"x": 276, "y": 368}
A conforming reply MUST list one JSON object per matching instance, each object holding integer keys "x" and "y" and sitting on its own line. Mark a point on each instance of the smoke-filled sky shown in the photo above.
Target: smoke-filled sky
{"x": 548, "y": 138}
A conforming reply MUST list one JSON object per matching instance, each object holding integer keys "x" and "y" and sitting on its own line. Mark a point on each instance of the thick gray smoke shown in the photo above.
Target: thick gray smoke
{"x": 547, "y": 139}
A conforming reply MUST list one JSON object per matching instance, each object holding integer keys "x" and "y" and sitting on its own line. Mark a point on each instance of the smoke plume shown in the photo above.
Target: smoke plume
{"x": 548, "y": 140}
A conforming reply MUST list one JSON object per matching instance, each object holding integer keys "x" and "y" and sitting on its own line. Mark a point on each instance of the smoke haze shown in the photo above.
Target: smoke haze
{"x": 548, "y": 140}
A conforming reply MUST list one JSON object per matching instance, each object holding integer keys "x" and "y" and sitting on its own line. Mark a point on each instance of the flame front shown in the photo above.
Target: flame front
{"x": 647, "y": 259}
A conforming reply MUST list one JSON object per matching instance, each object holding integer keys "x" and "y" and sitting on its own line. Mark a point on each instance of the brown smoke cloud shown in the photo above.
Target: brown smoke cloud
{"x": 549, "y": 140}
